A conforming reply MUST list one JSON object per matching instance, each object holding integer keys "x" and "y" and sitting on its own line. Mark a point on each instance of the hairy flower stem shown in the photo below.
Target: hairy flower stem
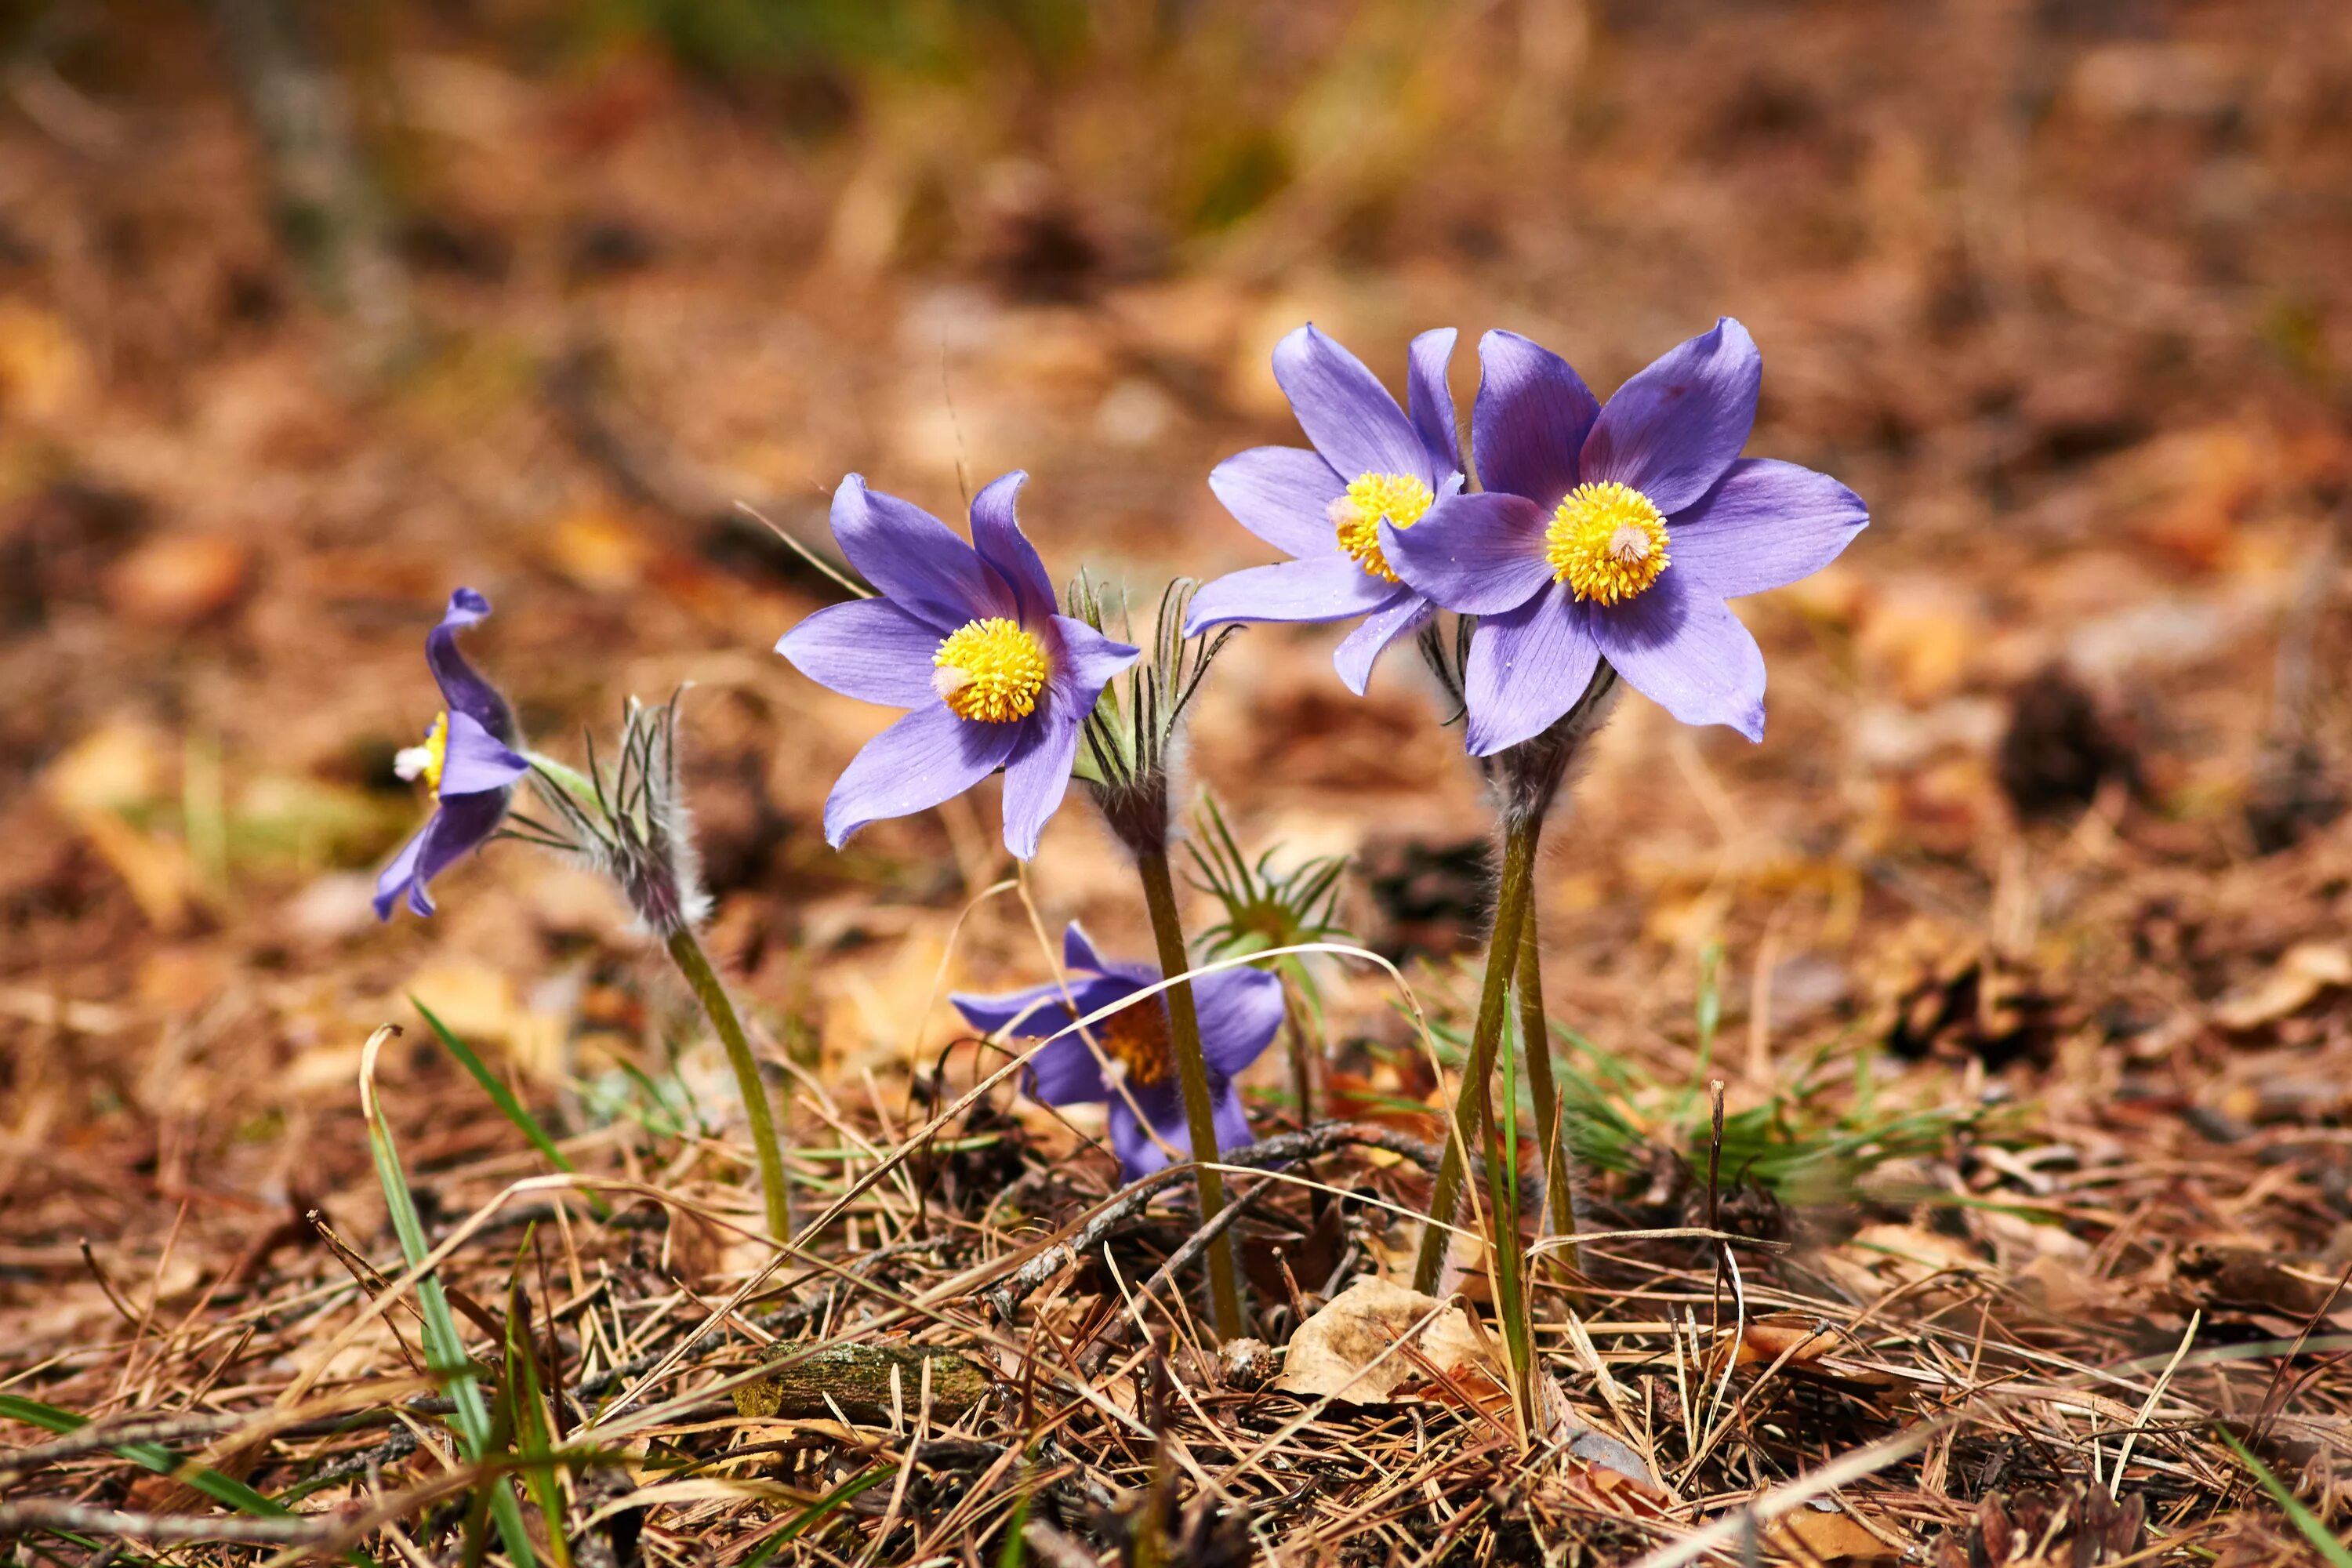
{"x": 1535, "y": 1035}
{"x": 1519, "y": 840}
{"x": 695, "y": 965}
{"x": 1192, "y": 1073}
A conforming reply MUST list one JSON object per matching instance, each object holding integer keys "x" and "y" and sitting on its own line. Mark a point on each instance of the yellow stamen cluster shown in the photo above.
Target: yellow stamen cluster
{"x": 428, "y": 761}
{"x": 1136, "y": 1039}
{"x": 1402, "y": 498}
{"x": 1608, "y": 542}
{"x": 990, "y": 670}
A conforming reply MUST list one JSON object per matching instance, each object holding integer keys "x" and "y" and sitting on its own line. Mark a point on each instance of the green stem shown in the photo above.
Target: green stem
{"x": 696, "y": 966}
{"x": 1302, "y": 1072}
{"x": 1192, "y": 1073}
{"x": 1551, "y": 1126}
{"x": 1519, "y": 841}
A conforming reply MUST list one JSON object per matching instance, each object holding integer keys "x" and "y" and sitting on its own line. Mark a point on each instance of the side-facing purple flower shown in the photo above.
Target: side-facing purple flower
{"x": 466, "y": 760}
{"x": 964, "y": 634}
{"x": 1374, "y": 468}
{"x": 1240, "y": 1010}
{"x": 1617, "y": 533}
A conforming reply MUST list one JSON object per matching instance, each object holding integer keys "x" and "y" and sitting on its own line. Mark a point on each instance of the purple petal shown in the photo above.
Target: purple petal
{"x": 1064, "y": 1073}
{"x": 1530, "y": 422}
{"x": 1240, "y": 1010}
{"x": 1683, "y": 649}
{"x": 1284, "y": 495}
{"x": 1164, "y": 1104}
{"x": 1673, "y": 430}
{"x": 914, "y": 765}
{"x": 463, "y": 690}
{"x": 476, "y": 761}
{"x": 461, "y": 825}
{"x": 401, "y": 875}
{"x": 1404, "y": 614}
{"x": 1527, "y": 666}
{"x": 916, "y": 559}
{"x": 1766, "y": 525}
{"x": 1320, "y": 588}
{"x": 1480, "y": 555}
{"x": 1084, "y": 663}
{"x": 1430, "y": 401}
{"x": 1346, "y": 411}
{"x": 996, "y": 534}
{"x": 1032, "y": 1013}
{"x": 868, "y": 648}
{"x": 1079, "y": 951}
{"x": 1036, "y": 777}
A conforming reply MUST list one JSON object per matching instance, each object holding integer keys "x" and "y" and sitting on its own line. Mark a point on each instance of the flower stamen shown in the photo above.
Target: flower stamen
{"x": 425, "y": 762}
{"x": 1136, "y": 1040}
{"x": 1607, "y": 542}
{"x": 990, "y": 670}
{"x": 1402, "y": 498}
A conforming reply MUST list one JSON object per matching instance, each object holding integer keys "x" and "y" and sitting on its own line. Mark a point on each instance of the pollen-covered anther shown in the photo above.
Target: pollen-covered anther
{"x": 425, "y": 762}
{"x": 1607, "y": 542}
{"x": 1135, "y": 1039}
{"x": 990, "y": 670}
{"x": 1402, "y": 498}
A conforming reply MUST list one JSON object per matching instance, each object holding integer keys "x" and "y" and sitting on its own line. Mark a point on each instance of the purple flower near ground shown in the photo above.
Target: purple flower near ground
{"x": 1374, "y": 468}
{"x": 965, "y": 636}
{"x": 466, "y": 760}
{"x": 1617, "y": 533}
{"x": 1240, "y": 1010}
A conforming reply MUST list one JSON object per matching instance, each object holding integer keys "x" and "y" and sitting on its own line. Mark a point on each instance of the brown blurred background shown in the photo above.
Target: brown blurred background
{"x": 311, "y": 311}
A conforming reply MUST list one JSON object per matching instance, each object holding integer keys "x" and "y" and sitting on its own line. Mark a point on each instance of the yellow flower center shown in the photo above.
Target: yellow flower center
{"x": 1608, "y": 542}
{"x": 427, "y": 761}
{"x": 1136, "y": 1039}
{"x": 991, "y": 670}
{"x": 1400, "y": 498}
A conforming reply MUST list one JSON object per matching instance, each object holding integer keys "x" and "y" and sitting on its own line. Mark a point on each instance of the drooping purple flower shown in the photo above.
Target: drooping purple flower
{"x": 965, "y": 636}
{"x": 1617, "y": 533}
{"x": 466, "y": 760}
{"x": 1374, "y": 467}
{"x": 1239, "y": 1009}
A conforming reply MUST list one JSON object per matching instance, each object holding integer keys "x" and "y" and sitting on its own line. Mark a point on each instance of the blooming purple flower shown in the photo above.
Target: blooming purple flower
{"x": 1617, "y": 533}
{"x": 1239, "y": 1009}
{"x": 965, "y": 636}
{"x": 1374, "y": 468}
{"x": 466, "y": 760}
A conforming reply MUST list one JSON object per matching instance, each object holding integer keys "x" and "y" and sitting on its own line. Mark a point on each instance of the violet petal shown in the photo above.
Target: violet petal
{"x": 1429, "y": 402}
{"x": 1319, "y": 588}
{"x": 1766, "y": 525}
{"x": 1284, "y": 495}
{"x": 868, "y": 648}
{"x": 1527, "y": 668}
{"x": 1529, "y": 427}
{"x": 996, "y": 535}
{"x": 1345, "y": 410}
{"x": 1682, "y": 647}
{"x": 917, "y": 763}
{"x": 1674, "y": 428}
{"x": 916, "y": 559}
{"x": 1479, "y": 555}
{"x": 1402, "y": 614}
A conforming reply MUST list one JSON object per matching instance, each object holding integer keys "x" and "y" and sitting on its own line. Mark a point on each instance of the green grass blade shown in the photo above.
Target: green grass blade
{"x": 223, "y": 1489}
{"x": 532, "y": 1441}
{"x": 2304, "y": 1520}
{"x": 444, "y": 1348}
{"x": 503, "y": 1096}
{"x": 1016, "y": 1548}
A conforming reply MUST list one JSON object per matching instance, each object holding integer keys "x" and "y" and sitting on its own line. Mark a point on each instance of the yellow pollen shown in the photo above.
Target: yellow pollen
{"x": 1608, "y": 542}
{"x": 427, "y": 760}
{"x": 1400, "y": 498}
{"x": 1136, "y": 1039}
{"x": 990, "y": 670}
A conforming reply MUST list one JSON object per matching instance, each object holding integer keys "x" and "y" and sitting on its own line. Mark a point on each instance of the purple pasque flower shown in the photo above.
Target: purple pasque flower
{"x": 1239, "y": 1009}
{"x": 1374, "y": 467}
{"x": 466, "y": 760}
{"x": 965, "y": 636}
{"x": 1617, "y": 533}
